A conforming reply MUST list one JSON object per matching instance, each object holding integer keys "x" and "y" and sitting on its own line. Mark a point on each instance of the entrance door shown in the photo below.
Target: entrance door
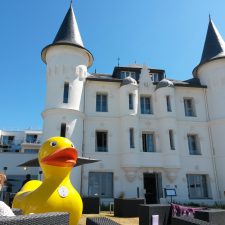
{"x": 153, "y": 187}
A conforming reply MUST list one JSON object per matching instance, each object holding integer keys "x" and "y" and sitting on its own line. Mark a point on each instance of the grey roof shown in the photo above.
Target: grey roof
{"x": 128, "y": 80}
{"x": 164, "y": 83}
{"x": 68, "y": 34}
{"x": 69, "y": 31}
{"x": 193, "y": 82}
{"x": 103, "y": 77}
{"x": 214, "y": 47}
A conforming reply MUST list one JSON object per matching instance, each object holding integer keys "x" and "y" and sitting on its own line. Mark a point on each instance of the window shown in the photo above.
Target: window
{"x": 66, "y": 93}
{"x": 124, "y": 74}
{"x": 131, "y": 101}
{"x": 193, "y": 144}
{"x": 189, "y": 107}
{"x": 101, "y": 141}
{"x": 100, "y": 184}
{"x": 101, "y": 103}
{"x": 63, "y": 130}
{"x": 31, "y": 138}
{"x": 171, "y": 137}
{"x": 148, "y": 142}
{"x": 7, "y": 140}
{"x": 155, "y": 77}
{"x": 168, "y": 104}
{"x": 146, "y": 105}
{"x": 131, "y": 137}
{"x": 197, "y": 186}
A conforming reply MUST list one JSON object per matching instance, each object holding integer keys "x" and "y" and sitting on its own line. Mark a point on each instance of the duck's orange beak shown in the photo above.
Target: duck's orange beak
{"x": 65, "y": 157}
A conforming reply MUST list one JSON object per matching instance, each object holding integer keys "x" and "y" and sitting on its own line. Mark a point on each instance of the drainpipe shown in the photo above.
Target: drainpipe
{"x": 212, "y": 150}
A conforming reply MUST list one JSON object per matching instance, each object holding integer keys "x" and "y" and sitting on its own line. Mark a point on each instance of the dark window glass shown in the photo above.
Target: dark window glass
{"x": 168, "y": 104}
{"x": 131, "y": 137}
{"x": 66, "y": 93}
{"x": 101, "y": 103}
{"x": 148, "y": 142}
{"x": 100, "y": 184}
{"x": 63, "y": 130}
{"x": 131, "y": 102}
{"x": 101, "y": 141}
{"x": 146, "y": 105}
{"x": 171, "y": 137}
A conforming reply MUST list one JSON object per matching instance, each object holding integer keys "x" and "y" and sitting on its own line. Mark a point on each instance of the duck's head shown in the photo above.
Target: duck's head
{"x": 57, "y": 152}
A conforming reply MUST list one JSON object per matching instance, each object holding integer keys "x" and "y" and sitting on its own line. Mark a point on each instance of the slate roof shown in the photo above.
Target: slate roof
{"x": 193, "y": 82}
{"x": 214, "y": 47}
{"x": 68, "y": 34}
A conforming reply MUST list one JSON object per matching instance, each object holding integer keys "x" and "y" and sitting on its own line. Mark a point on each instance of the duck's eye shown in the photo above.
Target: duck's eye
{"x": 53, "y": 144}
{"x": 72, "y": 145}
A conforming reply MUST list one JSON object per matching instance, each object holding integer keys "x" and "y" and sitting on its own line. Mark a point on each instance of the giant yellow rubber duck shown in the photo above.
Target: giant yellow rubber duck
{"x": 57, "y": 156}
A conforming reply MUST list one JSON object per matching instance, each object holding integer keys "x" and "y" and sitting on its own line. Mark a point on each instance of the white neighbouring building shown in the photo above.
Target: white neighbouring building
{"x": 150, "y": 132}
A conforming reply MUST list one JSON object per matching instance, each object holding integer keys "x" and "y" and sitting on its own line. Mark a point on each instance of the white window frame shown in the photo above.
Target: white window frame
{"x": 189, "y": 107}
{"x": 154, "y": 77}
{"x": 198, "y": 186}
{"x": 194, "y": 146}
{"x": 145, "y": 145}
{"x": 144, "y": 105}
{"x": 100, "y": 102}
{"x": 100, "y": 184}
{"x": 104, "y": 147}
{"x": 131, "y": 101}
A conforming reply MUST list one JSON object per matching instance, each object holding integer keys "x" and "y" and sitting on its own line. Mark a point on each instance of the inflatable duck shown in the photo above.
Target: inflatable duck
{"x": 57, "y": 156}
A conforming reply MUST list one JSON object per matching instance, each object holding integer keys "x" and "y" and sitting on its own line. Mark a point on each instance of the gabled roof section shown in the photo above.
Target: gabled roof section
{"x": 69, "y": 31}
{"x": 68, "y": 34}
{"x": 214, "y": 47}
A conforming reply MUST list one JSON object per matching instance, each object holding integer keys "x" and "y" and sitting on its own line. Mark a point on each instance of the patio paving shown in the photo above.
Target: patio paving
{"x": 122, "y": 221}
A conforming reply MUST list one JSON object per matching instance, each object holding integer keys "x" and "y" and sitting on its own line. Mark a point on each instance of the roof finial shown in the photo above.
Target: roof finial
{"x": 118, "y": 59}
{"x": 209, "y": 17}
{"x": 71, "y": 2}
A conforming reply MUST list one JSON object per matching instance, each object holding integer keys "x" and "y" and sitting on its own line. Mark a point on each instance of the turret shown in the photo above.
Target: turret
{"x": 211, "y": 72}
{"x": 67, "y": 61}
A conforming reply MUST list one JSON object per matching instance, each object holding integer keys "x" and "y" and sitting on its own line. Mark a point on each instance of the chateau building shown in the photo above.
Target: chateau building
{"x": 150, "y": 132}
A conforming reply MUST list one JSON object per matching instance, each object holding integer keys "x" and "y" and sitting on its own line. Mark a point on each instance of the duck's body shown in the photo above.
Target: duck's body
{"x": 55, "y": 193}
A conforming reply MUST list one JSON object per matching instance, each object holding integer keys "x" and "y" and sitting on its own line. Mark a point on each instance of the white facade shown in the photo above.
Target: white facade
{"x": 149, "y": 133}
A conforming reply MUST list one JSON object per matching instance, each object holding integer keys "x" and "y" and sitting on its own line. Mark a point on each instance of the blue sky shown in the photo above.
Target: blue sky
{"x": 162, "y": 34}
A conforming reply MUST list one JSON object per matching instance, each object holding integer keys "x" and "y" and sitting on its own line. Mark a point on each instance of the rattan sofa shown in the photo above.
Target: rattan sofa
{"x": 52, "y": 218}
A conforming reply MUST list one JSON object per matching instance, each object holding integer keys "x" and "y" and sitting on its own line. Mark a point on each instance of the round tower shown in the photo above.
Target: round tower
{"x": 67, "y": 61}
{"x": 211, "y": 72}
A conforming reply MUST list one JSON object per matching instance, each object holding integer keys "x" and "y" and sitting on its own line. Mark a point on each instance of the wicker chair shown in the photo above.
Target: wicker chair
{"x": 52, "y": 218}
{"x": 100, "y": 221}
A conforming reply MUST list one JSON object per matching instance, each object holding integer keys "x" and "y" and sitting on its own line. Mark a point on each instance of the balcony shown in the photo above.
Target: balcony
{"x": 10, "y": 146}
{"x": 31, "y": 144}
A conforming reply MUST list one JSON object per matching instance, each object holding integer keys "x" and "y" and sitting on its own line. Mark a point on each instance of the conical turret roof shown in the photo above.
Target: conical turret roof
{"x": 69, "y": 31}
{"x": 214, "y": 47}
{"x": 68, "y": 34}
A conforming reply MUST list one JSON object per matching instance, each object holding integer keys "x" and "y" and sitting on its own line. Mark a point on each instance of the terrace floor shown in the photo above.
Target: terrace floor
{"x": 123, "y": 221}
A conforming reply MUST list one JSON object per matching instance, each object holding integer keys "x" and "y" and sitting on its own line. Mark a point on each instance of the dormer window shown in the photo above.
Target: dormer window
{"x": 124, "y": 74}
{"x": 155, "y": 77}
